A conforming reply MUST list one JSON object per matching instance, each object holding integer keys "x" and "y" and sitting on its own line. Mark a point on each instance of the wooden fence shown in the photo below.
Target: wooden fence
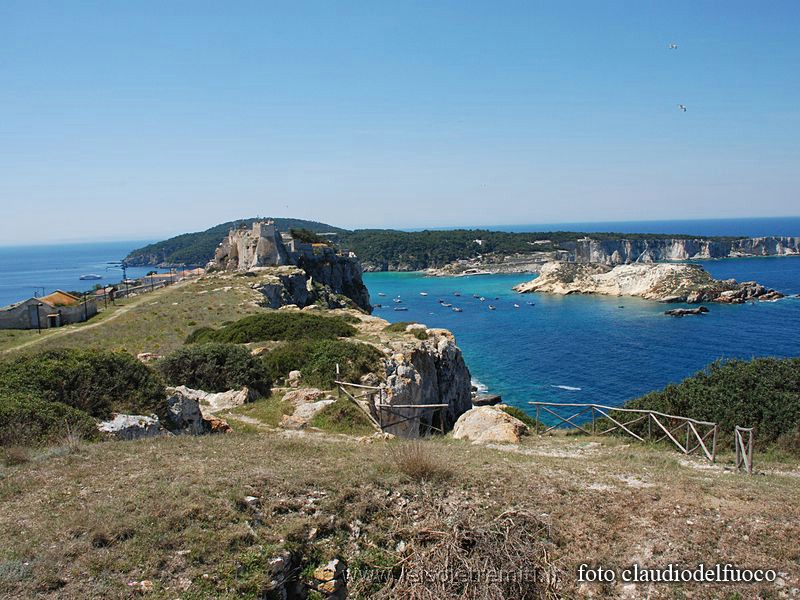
{"x": 694, "y": 435}
{"x": 744, "y": 450}
{"x": 372, "y": 401}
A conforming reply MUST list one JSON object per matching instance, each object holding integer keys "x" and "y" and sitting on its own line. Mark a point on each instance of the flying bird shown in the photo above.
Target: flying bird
{"x": 682, "y": 107}
{"x": 673, "y": 46}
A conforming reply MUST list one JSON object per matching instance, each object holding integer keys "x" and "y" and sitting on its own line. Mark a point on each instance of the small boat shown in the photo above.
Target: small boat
{"x": 400, "y": 308}
{"x": 446, "y": 304}
{"x": 516, "y": 305}
{"x": 90, "y": 277}
{"x": 456, "y": 293}
{"x": 423, "y": 293}
{"x": 397, "y": 301}
{"x": 482, "y": 299}
{"x": 531, "y": 303}
{"x": 456, "y": 309}
{"x": 491, "y": 307}
{"x": 475, "y": 296}
{"x": 620, "y": 306}
{"x": 381, "y": 294}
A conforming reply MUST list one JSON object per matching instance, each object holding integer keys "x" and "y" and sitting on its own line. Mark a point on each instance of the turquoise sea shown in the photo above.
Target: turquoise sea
{"x": 574, "y": 348}
{"x": 587, "y": 348}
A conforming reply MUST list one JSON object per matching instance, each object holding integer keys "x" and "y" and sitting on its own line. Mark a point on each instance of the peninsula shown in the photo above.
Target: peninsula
{"x": 664, "y": 282}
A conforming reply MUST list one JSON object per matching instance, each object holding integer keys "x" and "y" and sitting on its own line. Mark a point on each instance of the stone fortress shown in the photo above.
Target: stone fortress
{"x": 263, "y": 246}
{"x": 310, "y": 272}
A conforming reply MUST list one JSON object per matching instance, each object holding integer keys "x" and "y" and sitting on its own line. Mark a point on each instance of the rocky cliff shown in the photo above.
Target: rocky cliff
{"x": 293, "y": 272}
{"x": 662, "y": 282}
{"x": 622, "y": 251}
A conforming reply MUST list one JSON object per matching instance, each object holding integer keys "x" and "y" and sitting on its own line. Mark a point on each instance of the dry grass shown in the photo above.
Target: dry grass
{"x": 16, "y": 455}
{"x": 419, "y": 461}
{"x": 169, "y": 511}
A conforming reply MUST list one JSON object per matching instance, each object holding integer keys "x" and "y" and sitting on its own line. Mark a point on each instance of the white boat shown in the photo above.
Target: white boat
{"x": 400, "y": 308}
{"x": 446, "y": 304}
{"x": 491, "y": 307}
{"x": 423, "y": 293}
{"x": 482, "y": 299}
{"x": 516, "y": 305}
{"x": 397, "y": 301}
{"x": 90, "y": 277}
{"x": 381, "y": 294}
{"x": 456, "y": 309}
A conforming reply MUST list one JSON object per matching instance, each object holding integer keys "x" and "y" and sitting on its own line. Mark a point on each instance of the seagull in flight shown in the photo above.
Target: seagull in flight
{"x": 682, "y": 107}
{"x": 673, "y": 46}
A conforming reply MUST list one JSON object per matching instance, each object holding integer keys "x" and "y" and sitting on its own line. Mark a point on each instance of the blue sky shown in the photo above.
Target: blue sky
{"x": 142, "y": 119}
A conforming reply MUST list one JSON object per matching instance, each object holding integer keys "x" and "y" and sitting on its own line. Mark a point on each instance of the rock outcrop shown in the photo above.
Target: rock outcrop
{"x": 430, "y": 371}
{"x": 131, "y": 427}
{"x": 647, "y": 250}
{"x": 661, "y": 282}
{"x": 293, "y": 272}
{"x": 489, "y": 425}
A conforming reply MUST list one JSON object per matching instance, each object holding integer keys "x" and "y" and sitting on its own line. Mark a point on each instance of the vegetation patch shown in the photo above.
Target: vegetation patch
{"x": 276, "y": 326}
{"x": 215, "y": 368}
{"x": 518, "y": 413}
{"x": 269, "y": 411}
{"x": 400, "y": 327}
{"x": 763, "y": 393}
{"x": 419, "y": 461}
{"x": 317, "y": 360}
{"x": 343, "y": 416}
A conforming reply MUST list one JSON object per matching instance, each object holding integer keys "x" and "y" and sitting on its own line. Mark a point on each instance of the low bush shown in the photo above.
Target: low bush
{"x": 317, "y": 360}
{"x": 97, "y": 382}
{"x": 276, "y": 326}
{"x": 343, "y": 416}
{"x": 214, "y": 368}
{"x": 28, "y": 421}
{"x": 763, "y": 393}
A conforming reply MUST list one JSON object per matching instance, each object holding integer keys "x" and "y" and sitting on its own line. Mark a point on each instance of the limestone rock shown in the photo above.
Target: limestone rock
{"x": 293, "y": 422}
{"x": 184, "y": 415}
{"x": 147, "y": 357}
{"x": 294, "y": 378}
{"x": 131, "y": 427}
{"x": 211, "y": 402}
{"x": 680, "y": 312}
{"x": 303, "y": 396}
{"x": 307, "y": 411}
{"x": 431, "y": 371}
{"x": 661, "y": 282}
{"x": 488, "y": 424}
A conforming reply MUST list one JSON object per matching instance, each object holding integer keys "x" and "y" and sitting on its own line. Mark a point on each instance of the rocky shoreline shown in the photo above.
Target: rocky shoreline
{"x": 663, "y": 282}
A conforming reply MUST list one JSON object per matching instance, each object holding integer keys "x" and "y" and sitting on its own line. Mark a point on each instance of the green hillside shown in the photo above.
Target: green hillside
{"x": 196, "y": 249}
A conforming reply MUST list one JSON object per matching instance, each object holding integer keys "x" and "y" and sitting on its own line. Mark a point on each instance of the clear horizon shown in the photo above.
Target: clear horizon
{"x": 130, "y": 121}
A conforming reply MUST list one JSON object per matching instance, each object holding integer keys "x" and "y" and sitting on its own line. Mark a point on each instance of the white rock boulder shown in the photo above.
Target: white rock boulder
{"x": 131, "y": 427}
{"x": 488, "y": 424}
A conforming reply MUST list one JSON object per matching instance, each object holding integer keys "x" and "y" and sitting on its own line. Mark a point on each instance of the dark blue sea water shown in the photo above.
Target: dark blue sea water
{"x": 585, "y": 348}
{"x": 25, "y": 270}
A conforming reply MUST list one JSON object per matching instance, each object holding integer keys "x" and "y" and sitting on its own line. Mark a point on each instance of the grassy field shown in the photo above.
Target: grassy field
{"x": 156, "y": 322}
{"x": 95, "y": 520}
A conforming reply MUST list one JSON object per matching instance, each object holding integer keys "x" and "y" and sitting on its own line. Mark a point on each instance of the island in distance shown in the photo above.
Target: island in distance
{"x": 663, "y": 282}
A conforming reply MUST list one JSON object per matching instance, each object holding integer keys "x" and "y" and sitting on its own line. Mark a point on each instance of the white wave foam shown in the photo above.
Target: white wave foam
{"x": 482, "y": 388}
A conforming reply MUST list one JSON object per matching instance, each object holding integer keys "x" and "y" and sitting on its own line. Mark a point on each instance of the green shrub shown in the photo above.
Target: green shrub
{"x": 763, "y": 393}
{"x": 518, "y": 413}
{"x": 98, "y": 382}
{"x": 317, "y": 360}
{"x": 27, "y": 420}
{"x": 214, "y": 368}
{"x": 400, "y": 327}
{"x": 343, "y": 416}
{"x": 278, "y": 326}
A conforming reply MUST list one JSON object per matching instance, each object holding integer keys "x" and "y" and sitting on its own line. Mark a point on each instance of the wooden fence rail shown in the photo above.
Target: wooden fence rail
{"x": 744, "y": 450}
{"x": 382, "y": 415}
{"x": 694, "y": 435}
